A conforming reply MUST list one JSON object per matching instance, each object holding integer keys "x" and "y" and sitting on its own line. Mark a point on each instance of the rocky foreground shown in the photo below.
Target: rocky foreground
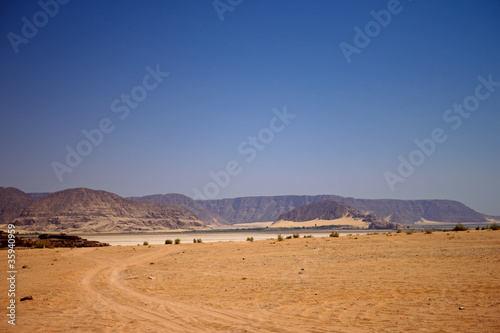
{"x": 50, "y": 241}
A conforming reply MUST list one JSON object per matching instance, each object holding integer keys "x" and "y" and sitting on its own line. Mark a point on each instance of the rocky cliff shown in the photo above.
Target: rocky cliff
{"x": 331, "y": 210}
{"x": 204, "y": 215}
{"x": 263, "y": 209}
{"x": 84, "y": 210}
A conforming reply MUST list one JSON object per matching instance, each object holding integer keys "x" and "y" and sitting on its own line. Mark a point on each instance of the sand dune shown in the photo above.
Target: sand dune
{"x": 360, "y": 283}
{"x": 354, "y": 222}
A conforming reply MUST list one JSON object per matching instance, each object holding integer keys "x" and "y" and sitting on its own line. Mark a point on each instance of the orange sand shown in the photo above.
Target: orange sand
{"x": 364, "y": 283}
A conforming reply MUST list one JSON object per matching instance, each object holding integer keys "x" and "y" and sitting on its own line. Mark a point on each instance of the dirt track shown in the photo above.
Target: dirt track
{"x": 369, "y": 283}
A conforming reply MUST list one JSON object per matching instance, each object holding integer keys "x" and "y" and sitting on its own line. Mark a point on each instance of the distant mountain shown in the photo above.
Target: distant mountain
{"x": 411, "y": 211}
{"x": 38, "y": 195}
{"x": 83, "y": 210}
{"x": 259, "y": 209}
{"x": 265, "y": 209}
{"x": 205, "y": 215}
{"x": 323, "y": 210}
{"x": 12, "y": 203}
{"x": 69, "y": 207}
{"x": 331, "y": 210}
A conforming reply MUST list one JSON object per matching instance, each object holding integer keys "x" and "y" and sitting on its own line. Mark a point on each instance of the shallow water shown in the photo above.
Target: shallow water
{"x": 207, "y": 237}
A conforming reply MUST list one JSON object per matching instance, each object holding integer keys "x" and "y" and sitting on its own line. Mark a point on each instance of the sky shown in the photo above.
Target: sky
{"x": 229, "y": 98}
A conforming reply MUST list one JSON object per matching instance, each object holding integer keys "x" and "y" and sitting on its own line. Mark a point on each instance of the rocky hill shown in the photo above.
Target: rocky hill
{"x": 204, "y": 215}
{"x": 83, "y": 210}
{"x": 259, "y": 209}
{"x": 263, "y": 209}
{"x": 330, "y": 210}
{"x": 323, "y": 210}
{"x": 411, "y": 211}
{"x": 12, "y": 203}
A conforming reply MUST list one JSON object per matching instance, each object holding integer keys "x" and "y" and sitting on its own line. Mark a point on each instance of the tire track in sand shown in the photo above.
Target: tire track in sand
{"x": 152, "y": 312}
{"x": 97, "y": 284}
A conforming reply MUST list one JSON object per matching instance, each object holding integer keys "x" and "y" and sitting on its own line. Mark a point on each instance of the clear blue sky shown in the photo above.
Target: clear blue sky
{"x": 353, "y": 119}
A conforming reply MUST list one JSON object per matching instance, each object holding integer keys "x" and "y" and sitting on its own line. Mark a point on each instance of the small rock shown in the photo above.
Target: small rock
{"x": 151, "y": 263}
{"x": 151, "y": 277}
{"x": 461, "y": 308}
{"x": 25, "y": 266}
{"x": 27, "y": 298}
{"x": 301, "y": 272}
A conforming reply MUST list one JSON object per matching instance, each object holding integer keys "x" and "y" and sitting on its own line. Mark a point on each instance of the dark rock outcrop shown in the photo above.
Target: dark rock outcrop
{"x": 46, "y": 240}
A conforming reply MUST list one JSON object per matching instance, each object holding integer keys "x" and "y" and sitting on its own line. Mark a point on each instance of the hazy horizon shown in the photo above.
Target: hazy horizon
{"x": 369, "y": 99}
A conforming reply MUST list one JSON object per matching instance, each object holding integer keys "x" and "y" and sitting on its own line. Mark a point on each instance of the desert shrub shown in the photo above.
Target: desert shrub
{"x": 296, "y": 236}
{"x": 483, "y": 228}
{"x": 194, "y": 240}
{"x": 428, "y": 232}
{"x": 177, "y": 241}
{"x": 399, "y": 231}
{"x": 280, "y": 238}
{"x": 478, "y": 228}
{"x": 169, "y": 241}
{"x": 409, "y": 232}
{"x": 459, "y": 227}
{"x": 288, "y": 237}
{"x": 39, "y": 245}
{"x": 199, "y": 240}
{"x": 249, "y": 239}
{"x": 308, "y": 236}
{"x": 494, "y": 226}
{"x": 145, "y": 243}
{"x": 334, "y": 234}
{"x": 444, "y": 230}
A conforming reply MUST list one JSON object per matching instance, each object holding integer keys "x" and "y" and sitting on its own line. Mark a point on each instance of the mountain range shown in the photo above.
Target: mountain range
{"x": 85, "y": 210}
{"x": 269, "y": 208}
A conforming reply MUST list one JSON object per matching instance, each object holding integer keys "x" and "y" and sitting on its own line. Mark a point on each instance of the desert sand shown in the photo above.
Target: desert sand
{"x": 366, "y": 283}
{"x": 357, "y": 223}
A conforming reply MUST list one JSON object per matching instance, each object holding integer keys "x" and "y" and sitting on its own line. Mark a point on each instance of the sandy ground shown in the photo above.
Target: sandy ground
{"x": 252, "y": 225}
{"x": 363, "y": 283}
{"x": 358, "y": 223}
